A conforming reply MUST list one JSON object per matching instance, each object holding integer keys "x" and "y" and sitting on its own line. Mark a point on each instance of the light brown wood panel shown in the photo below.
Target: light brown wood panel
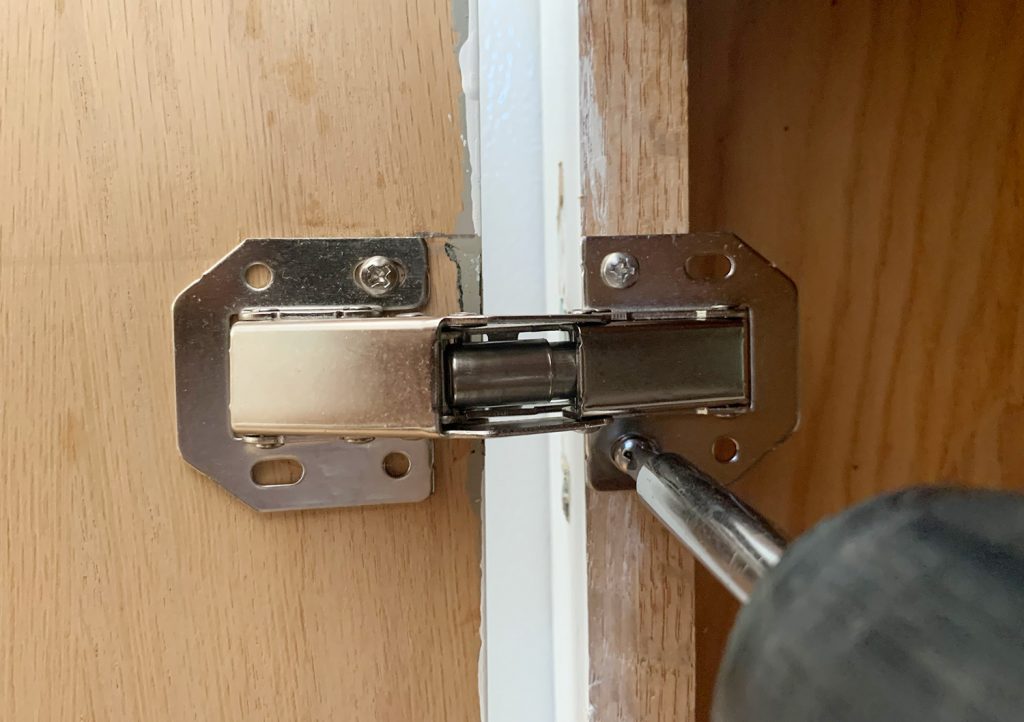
{"x": 634, "y": 179}
{"x": 138, "y": 143}
{"x": 875, "y": 151}
{"x": 633, "y": 116}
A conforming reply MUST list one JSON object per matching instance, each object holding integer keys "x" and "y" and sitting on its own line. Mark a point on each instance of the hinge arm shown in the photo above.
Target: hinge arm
{"x": 473, "y": 375}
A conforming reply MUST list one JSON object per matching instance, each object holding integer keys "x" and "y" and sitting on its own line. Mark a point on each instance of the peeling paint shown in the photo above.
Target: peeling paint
{"x": 593, "y": 159}
{"x": 465, "y": 252}
{"x": 464, "y": 21}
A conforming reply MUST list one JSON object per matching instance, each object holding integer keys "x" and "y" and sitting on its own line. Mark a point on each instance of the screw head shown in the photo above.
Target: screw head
{"x": 378, "y": 275}
{"x": 619, "y": 269}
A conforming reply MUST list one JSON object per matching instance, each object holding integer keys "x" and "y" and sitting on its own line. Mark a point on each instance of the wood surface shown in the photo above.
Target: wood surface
{"x": 875, "y": 151}
{"x": 634, "y": 180}
{"x": 139, "y": 142}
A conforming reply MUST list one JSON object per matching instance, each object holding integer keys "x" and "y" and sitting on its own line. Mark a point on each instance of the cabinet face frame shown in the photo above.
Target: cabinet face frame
{"x": 637, "y": 603}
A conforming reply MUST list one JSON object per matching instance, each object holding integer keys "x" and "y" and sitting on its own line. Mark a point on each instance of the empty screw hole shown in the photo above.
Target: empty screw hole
{"x": 726, "y": 450}
{"x": 258, "y": 276}
{"x": 277, "y": 472}
{"x": 709, "y": 267}
{"x": 396, "y": 465}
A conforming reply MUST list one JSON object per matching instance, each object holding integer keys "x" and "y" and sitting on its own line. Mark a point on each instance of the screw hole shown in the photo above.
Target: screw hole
{"x": 277, "y": 472}
{"x": 397, "y": 465}
{"x": 726, "y": 450}
{"x": 709, "y": 267}
{"x": 258, "y": 276}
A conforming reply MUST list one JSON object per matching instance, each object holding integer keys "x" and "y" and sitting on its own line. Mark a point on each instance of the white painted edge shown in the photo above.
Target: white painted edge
{"x": 466, "y": 25}
{"x": 563, "y": 232}
{"x": 534, "y": 623}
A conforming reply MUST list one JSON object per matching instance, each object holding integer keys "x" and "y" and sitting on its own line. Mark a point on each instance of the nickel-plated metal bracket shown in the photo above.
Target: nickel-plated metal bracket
{"x": 334, "y": 278}
{"x": 705, "y": 273}
{"x": 690, "y": 339}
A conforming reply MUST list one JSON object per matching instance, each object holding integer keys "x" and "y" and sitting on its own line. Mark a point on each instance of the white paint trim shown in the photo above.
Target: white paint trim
{"x": 534, "y": 621}
{"x": 466, "y": 23}
{"x": 560, "y": 89}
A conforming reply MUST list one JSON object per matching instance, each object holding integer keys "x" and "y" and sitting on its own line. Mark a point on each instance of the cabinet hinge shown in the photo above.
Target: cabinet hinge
{"x": 338, "y": 365}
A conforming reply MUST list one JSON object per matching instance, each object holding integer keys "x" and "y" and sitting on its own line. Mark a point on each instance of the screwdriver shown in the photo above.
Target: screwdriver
{"x": 906, "y": 608}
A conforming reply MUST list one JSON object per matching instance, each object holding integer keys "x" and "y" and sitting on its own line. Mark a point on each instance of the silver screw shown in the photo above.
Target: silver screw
{"x": 378, "y": 275}
{"x": 619, "y": 270}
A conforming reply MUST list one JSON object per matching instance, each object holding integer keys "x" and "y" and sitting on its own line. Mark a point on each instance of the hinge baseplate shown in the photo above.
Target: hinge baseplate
{"x": 273, "y": 472}
{"x": 705, "y": 271}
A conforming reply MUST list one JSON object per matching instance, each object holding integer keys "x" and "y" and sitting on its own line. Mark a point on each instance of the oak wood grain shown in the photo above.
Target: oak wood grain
{"x": 875, "y": 151}
{"x": 634, "y": 180}
{"x": 138, "y": 144}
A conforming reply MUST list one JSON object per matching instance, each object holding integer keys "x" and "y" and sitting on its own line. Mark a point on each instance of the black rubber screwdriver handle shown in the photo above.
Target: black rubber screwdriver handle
{"x": 907, "y": 608}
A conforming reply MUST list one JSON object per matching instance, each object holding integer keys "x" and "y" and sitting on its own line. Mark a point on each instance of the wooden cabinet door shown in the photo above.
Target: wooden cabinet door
{"x": 872, "y": 150}
{"x": 139, "y": 142}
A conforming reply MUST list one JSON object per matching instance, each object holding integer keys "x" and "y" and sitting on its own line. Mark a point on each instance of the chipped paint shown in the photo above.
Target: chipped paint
{"x": 593, "y": 160}
{"x": 464, "y": 249}
{"x": 465, "y": 253}
{"x": 464, "y": 21}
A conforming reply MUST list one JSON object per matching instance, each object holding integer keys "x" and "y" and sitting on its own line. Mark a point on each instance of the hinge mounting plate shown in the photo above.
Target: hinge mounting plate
{"x": 704, "y": 271}
{"x": 310, "y": 273}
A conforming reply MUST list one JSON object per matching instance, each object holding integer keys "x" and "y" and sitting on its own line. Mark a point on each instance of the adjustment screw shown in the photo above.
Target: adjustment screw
{"x": 619, "y": 270}
{"x": 378, "y": 275}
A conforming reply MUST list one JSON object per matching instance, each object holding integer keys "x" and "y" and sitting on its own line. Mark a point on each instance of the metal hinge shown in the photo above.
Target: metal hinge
{"x": 338, "y": 366}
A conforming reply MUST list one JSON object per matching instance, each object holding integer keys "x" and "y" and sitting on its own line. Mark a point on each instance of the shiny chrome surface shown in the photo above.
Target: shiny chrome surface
{"x": 470, "y": 376}
{"x": 379, "y": 275}
{"x": 619, "y": 270}
{"x": 499, "y": 373}
{"x": 629, "y": 365}
{"x": 343, "y": 377}
{"x": 730, "y": 539}
{"x": 316, "y": 272}
{"x": 671, "y": 363}
{"x": 610, "y": 365}
{"x": 750, "y": 284}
